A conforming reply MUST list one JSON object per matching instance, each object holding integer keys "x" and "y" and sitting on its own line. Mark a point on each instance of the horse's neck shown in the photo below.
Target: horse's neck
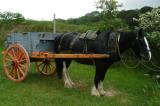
{"x": 126, "y": 40}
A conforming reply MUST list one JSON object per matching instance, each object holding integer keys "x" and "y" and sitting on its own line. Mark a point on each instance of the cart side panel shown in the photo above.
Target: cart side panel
{"x": 33, "y": 41}
{"x": 18, "y": 38}
{"x": 42, "y": 42}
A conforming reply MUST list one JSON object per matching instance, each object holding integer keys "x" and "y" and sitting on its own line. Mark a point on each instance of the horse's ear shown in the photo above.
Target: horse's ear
{"x": 98, "y": 32}
{"x": 140, "y": 33}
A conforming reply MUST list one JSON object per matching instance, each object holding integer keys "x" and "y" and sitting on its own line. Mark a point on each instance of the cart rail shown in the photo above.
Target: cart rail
{"x": 41, "y": 55}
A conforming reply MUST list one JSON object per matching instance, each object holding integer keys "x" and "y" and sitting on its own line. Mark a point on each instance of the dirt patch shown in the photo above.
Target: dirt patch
{"x": 80, "y": 85}
{"x": 115, "y": 93}
{"x": 112, "y": 92}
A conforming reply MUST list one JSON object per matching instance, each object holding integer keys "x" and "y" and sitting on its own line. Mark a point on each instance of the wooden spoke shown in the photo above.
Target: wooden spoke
{"x": 23, "y": 61}
{"x": 40, "y": 64}
{"x": 14, "y": 73}
{"x": 23, "y": 66}
{"x": 46, "y": 67}
{"x": 21, "y": 71}
{"x": 9, "y": 59}
{"x": 21, "y": 55}
{"x": 17, "y": 53}
{"x": 43, "y": 67}
{"x": 49, "y": 67}
{"x": 7, "y": 65}
{"x": 16, "y": 62}
{"x": 18, "y": 74}
{"x": 11, "y": 56}
{"x": 11, "y": 72}
{"x": 13, "y": 52}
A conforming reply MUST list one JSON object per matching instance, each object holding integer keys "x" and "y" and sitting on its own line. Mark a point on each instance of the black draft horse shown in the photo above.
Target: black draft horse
{"x": 134, "y": 40}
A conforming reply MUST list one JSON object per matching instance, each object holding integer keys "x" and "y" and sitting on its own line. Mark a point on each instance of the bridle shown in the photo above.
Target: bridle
{"x": 119, "y": 53}
{"x": 142, "y": 51}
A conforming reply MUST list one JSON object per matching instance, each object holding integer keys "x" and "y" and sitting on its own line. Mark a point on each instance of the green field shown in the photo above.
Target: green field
{"x": 127, "y": 87}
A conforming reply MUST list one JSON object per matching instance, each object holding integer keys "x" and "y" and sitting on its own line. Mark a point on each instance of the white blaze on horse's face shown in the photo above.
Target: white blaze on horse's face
{"x": 148, "y": 49}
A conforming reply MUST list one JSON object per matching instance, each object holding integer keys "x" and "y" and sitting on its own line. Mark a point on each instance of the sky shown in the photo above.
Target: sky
{"x": 64, "y": 9}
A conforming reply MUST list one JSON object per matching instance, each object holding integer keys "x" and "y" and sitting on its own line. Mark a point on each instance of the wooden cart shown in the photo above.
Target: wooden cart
{"x": 38, "y": 47}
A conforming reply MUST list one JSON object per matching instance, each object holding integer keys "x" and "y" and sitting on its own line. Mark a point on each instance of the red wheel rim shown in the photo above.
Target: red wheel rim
{"x": 46, "y": 67}
{"x": 16, "y": 62}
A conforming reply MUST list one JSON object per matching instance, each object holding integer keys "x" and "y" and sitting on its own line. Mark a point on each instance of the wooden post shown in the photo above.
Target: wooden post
{"x": 54, "y": 23}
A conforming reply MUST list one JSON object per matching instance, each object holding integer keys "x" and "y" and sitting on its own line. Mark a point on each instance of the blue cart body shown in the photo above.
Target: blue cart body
{"x": 33, "y": 41}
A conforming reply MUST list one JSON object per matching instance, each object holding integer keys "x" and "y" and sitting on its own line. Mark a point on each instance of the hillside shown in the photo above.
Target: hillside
{"x": 36, "y": 26}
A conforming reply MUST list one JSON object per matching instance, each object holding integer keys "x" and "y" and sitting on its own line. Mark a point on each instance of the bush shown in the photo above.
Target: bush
{"x": 154, "y": 40}
{"x": 150, "y": 20}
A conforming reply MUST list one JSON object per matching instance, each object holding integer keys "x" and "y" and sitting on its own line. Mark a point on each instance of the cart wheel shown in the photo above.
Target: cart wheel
{"x": 16, "y": 62}
{"x": 46, "y": 67}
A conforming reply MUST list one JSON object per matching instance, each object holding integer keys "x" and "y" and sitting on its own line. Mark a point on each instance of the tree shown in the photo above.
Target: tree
{"x": 109, "y": 7}
{"x": 10, "y": 16}
{"x": 128, "y": 15}
{"x": 92, "y": 17}
{"x": 146, "y": 9}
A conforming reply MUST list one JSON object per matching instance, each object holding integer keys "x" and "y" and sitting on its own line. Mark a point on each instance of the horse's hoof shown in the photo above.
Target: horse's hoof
{"x": 95, "y": 92}
{"x": 73, "y": 84}
{"x": 68, "y": 85}
{"x": 102, "y": 93}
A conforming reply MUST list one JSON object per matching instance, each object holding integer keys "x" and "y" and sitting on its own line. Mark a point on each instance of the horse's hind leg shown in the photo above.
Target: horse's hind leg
{"x": 59, "y": 67}
{"x": 68, "y": 62}
{"x": 67, "y": 80}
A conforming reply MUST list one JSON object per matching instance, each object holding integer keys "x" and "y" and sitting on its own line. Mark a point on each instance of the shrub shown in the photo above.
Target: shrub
{"x": 150, "y": 20}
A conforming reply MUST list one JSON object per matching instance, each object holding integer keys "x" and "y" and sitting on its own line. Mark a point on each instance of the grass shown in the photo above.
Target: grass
{"x": 128, "y": 86}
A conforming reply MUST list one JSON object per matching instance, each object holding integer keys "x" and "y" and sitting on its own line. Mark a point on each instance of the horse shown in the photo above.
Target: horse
{"x": 71, "y": 43}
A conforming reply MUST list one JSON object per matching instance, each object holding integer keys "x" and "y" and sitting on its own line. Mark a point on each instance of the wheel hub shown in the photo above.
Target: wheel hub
{"x": 16, "y": 63}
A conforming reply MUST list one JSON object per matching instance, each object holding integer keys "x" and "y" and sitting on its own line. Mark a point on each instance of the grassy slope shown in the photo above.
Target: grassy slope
{"x": 39, "y": 26}
{"x": 129, "y": 86}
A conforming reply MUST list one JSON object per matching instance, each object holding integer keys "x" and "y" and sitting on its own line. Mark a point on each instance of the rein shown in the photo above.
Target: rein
{"x": 121, "y": 58}
{"x": 154, "y": 68}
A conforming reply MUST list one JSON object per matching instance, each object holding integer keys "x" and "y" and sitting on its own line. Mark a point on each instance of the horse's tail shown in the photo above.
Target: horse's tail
{"x": 59, "y": 62}
{"x": 57, "y": 42}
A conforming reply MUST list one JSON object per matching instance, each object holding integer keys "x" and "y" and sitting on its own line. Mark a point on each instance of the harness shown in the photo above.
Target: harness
{"x": 112, "y": 49}
{"x": 90, "y": 35}
{"x": 71, "y": 44}
{"x": 111, "y": 46}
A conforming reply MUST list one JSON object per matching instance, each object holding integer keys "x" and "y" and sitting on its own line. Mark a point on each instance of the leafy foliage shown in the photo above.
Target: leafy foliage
{"x": 94, "y": 16}
{"x": 150, "y": 21}
{"x": 109, "y": 7}
{"x": 16, "y": 18}
{"x": 128, "y": 15}
{"x": 146, "y": 9}
{"x": 154, "y": 40}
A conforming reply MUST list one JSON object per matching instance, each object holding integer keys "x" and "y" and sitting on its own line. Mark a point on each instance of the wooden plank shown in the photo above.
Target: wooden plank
{"x": 42, "y": 55}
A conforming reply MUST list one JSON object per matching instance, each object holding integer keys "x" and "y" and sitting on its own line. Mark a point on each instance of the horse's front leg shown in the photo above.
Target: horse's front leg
{"x": 101, "y": 90}
{"x": 97, "y": 89}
